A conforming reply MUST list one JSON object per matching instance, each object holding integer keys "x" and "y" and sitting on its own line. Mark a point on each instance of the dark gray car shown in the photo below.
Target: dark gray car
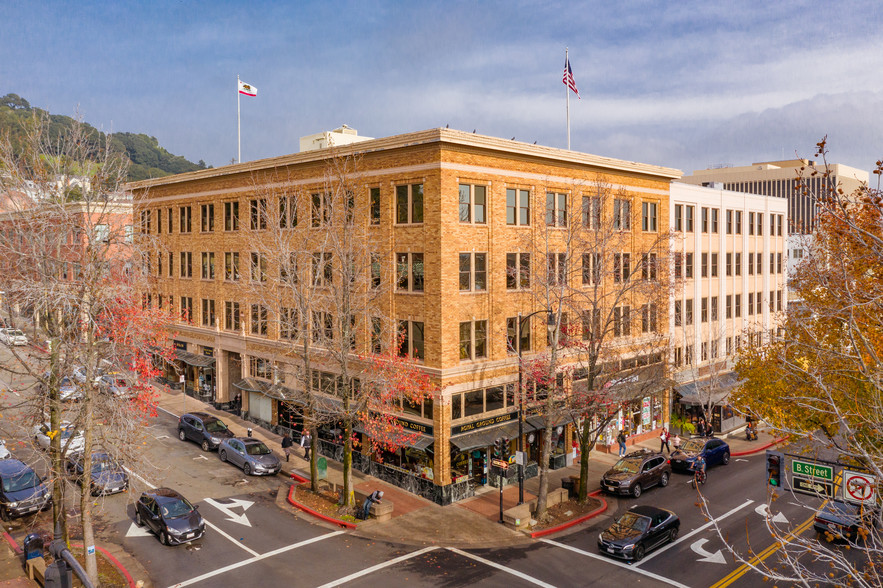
{"x": 251, "y": 455}
{"x": 108, "y": 477}
{"x": 206, "y": 430}
{"x": 636, "y": 472}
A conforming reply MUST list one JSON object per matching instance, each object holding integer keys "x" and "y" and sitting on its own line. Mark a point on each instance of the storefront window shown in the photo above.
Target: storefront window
{"x": 427, "y": 408}
{"x": 411, "y": 408}
{"x": 474, "y": 402}
{"x": 494, "y": 398}
{"x": 456, "y": 406}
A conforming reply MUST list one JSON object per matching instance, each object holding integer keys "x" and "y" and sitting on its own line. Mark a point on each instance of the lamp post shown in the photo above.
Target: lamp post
{"x": 550, "y": 325}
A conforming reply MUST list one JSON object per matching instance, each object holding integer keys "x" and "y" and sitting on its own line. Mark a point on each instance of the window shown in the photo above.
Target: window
{"x": 688, "y": 312}
{"x": 158, "y": 267}
{"x": 622, "y": 321}
{"x": 517, "y": 271}
{"x": 320, "y": 210}
{"x": 145, "y": 221}
{"x": 621, "y": 267}
{"x": 556, "y": 209}
{"x": 778, "y": 263}
{"x": 258, "y": 319}
{"x": 207, "y": 218}
{"x": 714, "y": 219}
{"x": 688, "y": 266}
{"x": 409, "y": 204}
{"x": 159, "y": 220}
{"x": 751, "y": 303}
{"x": 750, "y": 223}
{"x": 779, "y": 225}
{"x": 592, "y": 212}
{"x": 750, "y": 264}
{"x": 473, "y": 272}
{"x": 517, "y": 207}
{"x": 410, "y": 272}
{"x": 184, "y": 214}
{"x": 772, "y": 263}
{"x": 688, "y": 218}
{"x": 729, "y": 346}
{"x": 289, "y": 323}
{"x": 704, "y": 257}
{"x": 729, "y": 264}
{"x": 170, "y": 220}
{"x": 258, "y": 267}
{"x": 556, "y": 268}
{"x": 260, "y": 367}
{"x": 231, "y": 216}
{"x": 186, "y": 264}
{"x": 591, "y": 268}
{"x": 704, "y": 217}
{"x": 714, "y": 259}
{"x": 714, "y": 305}
{"x": 288, "y": 269}
{"x": 322, "y": 268}
{"x": 704, "y": 349}
{"x": 648, "y": 267}
{"x": 759, "y": 263}
{"x": 376, "y": 277}
{"x": 473, "y": 204}
{"x": 171, "y": 268}
{"x": 729, "y": 310}
{"x": 648, "y": 216}
{"x": 208, "y": 313}
{"x": 187, "y": 309}
{"x": 738, "y": 306}
{"x": 622, "y": 215}
{"x": 411, "y": 335}
{"x": 679, "y": 313}
{"x": 231, "y": 266}
{"x": 376, "y": 335}
{"x": 679, "y": 265}
{"x": 703, "y": 313}
{"x": 773, "y": 225}
{"x": 679, "y": 356}
{"x": 779, "y": 301}
{"x": 738, "y": 263}
{"x": 679, "y": 217}
{"x": 648, "y": 318}
{"x": 513, "y": 341}
{"x": 374, "y": 202}
{"x": 729, "y": 222}
{"x": 473, "y": 340}
{"x": 738, "y": 222}
{"x": 287, "y": 212}
{"x": 759, "y": 224}
{"x": 591, "y": 324}
{"x": 208, "y": 265}
{"x": 758, "y": 300}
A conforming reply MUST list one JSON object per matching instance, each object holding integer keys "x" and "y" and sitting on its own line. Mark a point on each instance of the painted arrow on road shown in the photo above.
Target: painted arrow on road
{"x": 764, "y": 511}
{"x": 226, "y": 509}
{"x": 716, "y": 557}
{"x": 136, "y": 531}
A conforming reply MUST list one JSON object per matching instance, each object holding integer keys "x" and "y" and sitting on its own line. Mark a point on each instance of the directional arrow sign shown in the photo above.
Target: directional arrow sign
{"x": 764, "y": 511}
{"x": 226, "y": 509}
{"x": 136, "y": 531}
{"x": 716, "y": 557}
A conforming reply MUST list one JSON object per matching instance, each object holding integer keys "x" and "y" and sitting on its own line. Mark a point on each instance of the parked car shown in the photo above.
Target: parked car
{"x": 4, "y": 452}
{"x": 636, "y": 472}
{"x": 714, "y": 451}
{"x": 79, "y": 374}
{"x": 171, "y": 516}
{"x": 251, "y": 455}
{"x": 107, "y": 476}
{"x": 842, "y": 520}
{"x": 205, "y": 429}
{"x": 640, "y": 529}
{"x": 116, "y": 385}
{"x": 67, "y": 389}
{"x": 71, "y": 439}
{"x": 13, "y": 337}
{"x": 22, "y": 491}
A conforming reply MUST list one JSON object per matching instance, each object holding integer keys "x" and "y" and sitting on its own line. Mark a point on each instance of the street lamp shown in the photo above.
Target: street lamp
{"x": 550, "y": 325}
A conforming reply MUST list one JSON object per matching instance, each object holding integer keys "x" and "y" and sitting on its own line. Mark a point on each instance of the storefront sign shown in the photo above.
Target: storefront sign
{"x": 414, "y": 426}
{"x": 180, "y": 345}
{"x": 645, "y": 411}
{"x": 484, "y": 423}
{"x": 500, "y": 463}
{"x": 209, "y": 351}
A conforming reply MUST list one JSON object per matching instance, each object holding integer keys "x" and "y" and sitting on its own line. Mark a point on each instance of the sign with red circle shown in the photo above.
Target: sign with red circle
{"x": 858, "y": 487}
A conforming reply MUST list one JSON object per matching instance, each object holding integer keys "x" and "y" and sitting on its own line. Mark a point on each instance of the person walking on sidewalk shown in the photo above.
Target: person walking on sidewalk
{"x": 663, "y": 438}
{"x": 306, "y": 442}
{"x": 287, "y": 442}
{"x": 621, "y": 440}
{"x": 676, "y": 442}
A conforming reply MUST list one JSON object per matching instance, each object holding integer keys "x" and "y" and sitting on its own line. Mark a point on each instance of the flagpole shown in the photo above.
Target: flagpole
{"x": 567, "y": 93}
{"x": 239, "y": 123}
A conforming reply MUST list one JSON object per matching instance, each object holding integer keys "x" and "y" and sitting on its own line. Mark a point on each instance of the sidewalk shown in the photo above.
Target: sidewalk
{"x": 12, "y": 573}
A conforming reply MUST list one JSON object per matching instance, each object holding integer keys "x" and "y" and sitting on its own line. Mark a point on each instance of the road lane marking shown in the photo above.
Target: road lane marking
{"x": 707, "y": 556}
{"x": 226, "y": 508}
{"x": 133, "y": 474}
{"x": 233, "y": 539}
{"x": 245, "y": 562}
{"x": 778, "y": 544}
{"x": 500, "y": 567}
{"x": 694, "y": 531}
{"x": 379, "y": 566}
{"x": 614, "y": 562}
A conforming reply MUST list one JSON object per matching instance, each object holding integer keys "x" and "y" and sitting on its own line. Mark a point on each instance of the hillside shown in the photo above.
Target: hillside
{"x": 148, "y": 158}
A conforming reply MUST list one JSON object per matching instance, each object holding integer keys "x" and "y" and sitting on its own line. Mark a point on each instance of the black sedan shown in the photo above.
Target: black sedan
{"x": 715, "y": 451}
{"x": 639, "y": 530}
{"x": 170, "y": 516}
{"x": 843, "y": 520}
{"x": 107, "y": 477}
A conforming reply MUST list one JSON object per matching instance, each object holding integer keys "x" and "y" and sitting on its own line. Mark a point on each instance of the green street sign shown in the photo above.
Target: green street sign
{"x": 812, "y": 470}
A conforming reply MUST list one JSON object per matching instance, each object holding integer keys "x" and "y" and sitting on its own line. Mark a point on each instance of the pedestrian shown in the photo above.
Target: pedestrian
{"x": 676, "y": 442}
{"x": 621, "y": 440}
{"x": 306, "y": 441}
{"x": 700, "y": 428}
{"x": 663, "y": 438}
{"x": 376, "y": 496}
{"x": 286, "y": 445}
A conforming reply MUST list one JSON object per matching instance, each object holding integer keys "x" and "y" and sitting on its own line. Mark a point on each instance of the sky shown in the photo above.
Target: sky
{"x": 680, "y": 84}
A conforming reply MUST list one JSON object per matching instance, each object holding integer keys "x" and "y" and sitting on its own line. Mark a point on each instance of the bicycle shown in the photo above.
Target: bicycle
{"x": 699, "y": 477}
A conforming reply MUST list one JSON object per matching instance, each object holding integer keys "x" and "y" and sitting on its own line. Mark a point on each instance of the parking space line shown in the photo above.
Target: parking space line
{"x": 694, "y": 531}
{"x": 223, "y": 534}
{"x": 134, "y": 475}
{"x": 379, "y": 566}
{"x": 503, "y": 568}
{"x": 617, "y": 563}
{"x": 245, "y": 562}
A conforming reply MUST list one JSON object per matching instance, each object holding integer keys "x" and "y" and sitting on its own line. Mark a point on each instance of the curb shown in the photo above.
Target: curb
{"x": 309, "y": 510}
{"x": 759, "y": 449}
{"x": 576, "y": 521}
{"x": 12, "y": 543}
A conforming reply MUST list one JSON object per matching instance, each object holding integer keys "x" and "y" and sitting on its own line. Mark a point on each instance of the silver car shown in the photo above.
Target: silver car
{"x": 251, "y": 455}
{"x": 13, "y": 337}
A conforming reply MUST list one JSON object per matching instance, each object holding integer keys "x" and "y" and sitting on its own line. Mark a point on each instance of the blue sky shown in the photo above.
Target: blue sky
{"x": 680, "y": 84}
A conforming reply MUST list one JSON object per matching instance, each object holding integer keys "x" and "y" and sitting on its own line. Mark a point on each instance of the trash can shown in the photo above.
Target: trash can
{"x": 567, "y": 484}
{"x": 33, "y": 546}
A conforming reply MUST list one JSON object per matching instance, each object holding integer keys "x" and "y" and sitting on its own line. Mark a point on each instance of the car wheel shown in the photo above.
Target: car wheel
{"x": 673, "y": 535}
{"x": 246, "y": 469}
{"x": 164, "y": 538}
{"x": 639, "y": 553}
{"x": 223, "y": 455}
{"x": 663, "y": 481}
{"x": 206, "y": 446}
{"x": 4, "y": 514}
{"x": 182, "y": 435}
{"x": 138, "y": 520}
{"x": 636, "y": 491}
{"x": 726, "y": 458}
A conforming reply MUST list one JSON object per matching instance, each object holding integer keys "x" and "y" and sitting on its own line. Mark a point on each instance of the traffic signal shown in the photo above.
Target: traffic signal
{"x": 498, "y": 448}
{"x": 774, "y": 464}
{"x": 504, "y": 450}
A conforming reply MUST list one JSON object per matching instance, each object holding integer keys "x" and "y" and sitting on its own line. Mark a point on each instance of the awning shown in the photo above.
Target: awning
{"x": 421, "y": 443}
{"x": 194, "y": 359}
{"x": 484, "y": 437}
{"x": 276, "y": 391}
{"x": 536, "y": 423}
{"x": 714, "y": 389}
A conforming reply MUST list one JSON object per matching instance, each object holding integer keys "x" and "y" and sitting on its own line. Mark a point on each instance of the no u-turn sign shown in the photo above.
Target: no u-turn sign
{"x": 859, "y": 487}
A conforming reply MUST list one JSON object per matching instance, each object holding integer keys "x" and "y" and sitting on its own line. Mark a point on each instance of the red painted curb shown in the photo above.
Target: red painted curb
{"x": 12, "y": 543}
{"x": 577, "y": 521}
{"x": 298, "y": 477}
{"x": 759, "y": 449}
{"x": 309, "y": 510}
{"x": 115, "y": 562}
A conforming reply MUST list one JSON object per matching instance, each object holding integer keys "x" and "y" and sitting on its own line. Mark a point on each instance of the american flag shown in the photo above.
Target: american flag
{"x": 568, "y": 78}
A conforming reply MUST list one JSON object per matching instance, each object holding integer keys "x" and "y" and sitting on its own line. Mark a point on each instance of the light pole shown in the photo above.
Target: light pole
{"x": 550, "y": 325}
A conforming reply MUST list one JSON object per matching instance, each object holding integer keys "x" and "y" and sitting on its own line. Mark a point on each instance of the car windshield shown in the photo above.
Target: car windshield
{"x": 257, "y": 449}
{"x": 65, "y": 382}
{"x": 626, "y": 466}
{"x": 176, "y": 508}
{"x": 693, "y": 445}
{"x": 216, "y": 426}
{"x": 21, "y": 481}
{"x": 68, "y": 432}
{"x": 104, "y": 465}
{"x": 15, "y": 333}
{"x": 634, "y": 521}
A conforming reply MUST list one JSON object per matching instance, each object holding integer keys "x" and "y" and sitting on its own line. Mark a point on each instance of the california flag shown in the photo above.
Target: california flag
{"x": 247, "y": 89}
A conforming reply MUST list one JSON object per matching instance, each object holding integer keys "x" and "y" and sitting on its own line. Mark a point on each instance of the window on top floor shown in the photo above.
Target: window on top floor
{"x": 409, "y": 204}
{"x": 473, "y": 204}
{"x": 517, "y": 207}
